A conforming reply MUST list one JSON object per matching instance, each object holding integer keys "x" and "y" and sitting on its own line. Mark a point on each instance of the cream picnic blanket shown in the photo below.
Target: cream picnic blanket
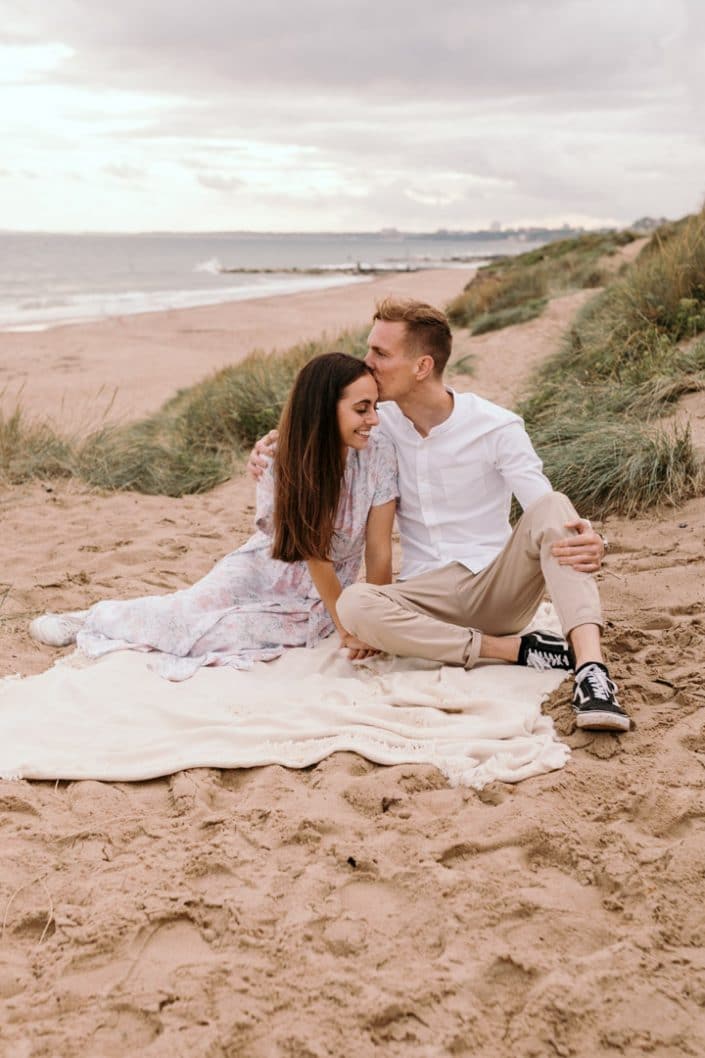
{"x": 116, "y": 720}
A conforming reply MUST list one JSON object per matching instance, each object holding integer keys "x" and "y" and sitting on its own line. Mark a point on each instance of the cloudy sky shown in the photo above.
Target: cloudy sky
{"x": 298, "y": 115}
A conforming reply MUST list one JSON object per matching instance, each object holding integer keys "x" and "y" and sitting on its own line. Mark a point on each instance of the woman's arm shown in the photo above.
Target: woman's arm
{"x": 378, "y": 561}
{"x": 328, "y": 586}
{"x": 378, "y": 543}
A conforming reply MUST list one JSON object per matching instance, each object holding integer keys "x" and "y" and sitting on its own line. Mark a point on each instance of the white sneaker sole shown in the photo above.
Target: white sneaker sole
{"x": 602, "y": 721}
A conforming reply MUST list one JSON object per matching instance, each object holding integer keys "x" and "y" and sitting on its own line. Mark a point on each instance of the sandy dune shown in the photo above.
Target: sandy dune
{"x": 351, "y": 909}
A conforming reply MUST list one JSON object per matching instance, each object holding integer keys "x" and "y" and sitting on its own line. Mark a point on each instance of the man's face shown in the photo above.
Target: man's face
{"x": 391, "y": 360}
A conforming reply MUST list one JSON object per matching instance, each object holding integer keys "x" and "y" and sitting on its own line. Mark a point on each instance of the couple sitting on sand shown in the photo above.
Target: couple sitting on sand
{"x": 446, "y": 464}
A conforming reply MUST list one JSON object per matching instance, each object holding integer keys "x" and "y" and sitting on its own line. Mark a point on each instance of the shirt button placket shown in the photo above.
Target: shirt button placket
{"x": 426, "y": 485}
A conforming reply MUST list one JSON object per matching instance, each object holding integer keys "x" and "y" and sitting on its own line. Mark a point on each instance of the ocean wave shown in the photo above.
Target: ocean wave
{"x": 212, "y": 266}
{"x": 38, "y": 316}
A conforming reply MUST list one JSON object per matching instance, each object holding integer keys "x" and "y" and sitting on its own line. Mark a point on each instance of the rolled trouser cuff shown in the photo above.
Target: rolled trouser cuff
{"x": 473, "y": 648}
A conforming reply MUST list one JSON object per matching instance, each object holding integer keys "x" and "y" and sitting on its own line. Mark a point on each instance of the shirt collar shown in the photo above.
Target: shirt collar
{"x": 441, "y": 427}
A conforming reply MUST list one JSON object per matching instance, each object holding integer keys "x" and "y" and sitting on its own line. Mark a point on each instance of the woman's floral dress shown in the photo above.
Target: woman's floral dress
{"x": 250, "y": 607}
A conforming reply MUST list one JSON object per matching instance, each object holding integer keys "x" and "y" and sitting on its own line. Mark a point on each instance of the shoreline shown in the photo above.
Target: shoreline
{"x": 82, "y": 375}
{"x": 177, "y": 300}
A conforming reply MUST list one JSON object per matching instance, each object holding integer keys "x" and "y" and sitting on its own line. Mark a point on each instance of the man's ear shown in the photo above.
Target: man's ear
{"x": 424, "y": 368}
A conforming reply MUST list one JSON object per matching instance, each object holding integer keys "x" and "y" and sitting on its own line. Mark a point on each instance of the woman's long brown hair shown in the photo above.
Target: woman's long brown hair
{"x": 310, "y": 462}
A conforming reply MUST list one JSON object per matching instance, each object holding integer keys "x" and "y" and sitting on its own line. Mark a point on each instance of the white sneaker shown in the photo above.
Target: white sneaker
{"x": 57, "y": 629}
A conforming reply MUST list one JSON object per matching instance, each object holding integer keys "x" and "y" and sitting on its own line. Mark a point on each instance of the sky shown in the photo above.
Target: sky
{"x": 349, "y": 115}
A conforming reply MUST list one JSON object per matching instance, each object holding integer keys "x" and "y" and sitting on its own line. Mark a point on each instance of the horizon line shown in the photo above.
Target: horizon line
{"x": 386, "y": 231}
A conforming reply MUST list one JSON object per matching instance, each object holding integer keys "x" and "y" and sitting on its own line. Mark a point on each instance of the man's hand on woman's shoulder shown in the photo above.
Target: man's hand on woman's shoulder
{"x": 261, "y": 454}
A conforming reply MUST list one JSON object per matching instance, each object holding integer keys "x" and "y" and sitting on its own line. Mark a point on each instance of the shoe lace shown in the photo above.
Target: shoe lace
{"x": 546, "y": 658}
{"x": 598, "y": 681}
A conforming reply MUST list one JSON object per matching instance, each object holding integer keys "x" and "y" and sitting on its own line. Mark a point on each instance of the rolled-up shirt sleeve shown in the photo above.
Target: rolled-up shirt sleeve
{"x": 519, "y": 465}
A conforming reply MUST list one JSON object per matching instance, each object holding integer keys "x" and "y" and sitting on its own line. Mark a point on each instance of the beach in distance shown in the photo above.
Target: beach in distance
{"x": 346, "y": 909}
{"x": 124, "y": 367}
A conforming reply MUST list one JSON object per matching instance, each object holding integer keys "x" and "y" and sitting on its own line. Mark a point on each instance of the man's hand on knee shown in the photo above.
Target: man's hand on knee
{"x": 583, "y": 550}
{"x": 261, "y": 454}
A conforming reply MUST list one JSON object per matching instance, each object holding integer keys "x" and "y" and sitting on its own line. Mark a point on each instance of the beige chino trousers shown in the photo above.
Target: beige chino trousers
{"x": 441, "y": 615}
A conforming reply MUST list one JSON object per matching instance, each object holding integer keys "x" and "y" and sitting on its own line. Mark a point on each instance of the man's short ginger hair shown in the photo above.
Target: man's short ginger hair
{"x": 427, "y": 326}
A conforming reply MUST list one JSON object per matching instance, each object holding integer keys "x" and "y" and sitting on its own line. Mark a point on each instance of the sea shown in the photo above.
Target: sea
{"x": 50, "y": 279}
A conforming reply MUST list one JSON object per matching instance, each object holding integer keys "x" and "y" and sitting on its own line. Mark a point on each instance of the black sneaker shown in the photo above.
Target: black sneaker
{"x": 544, "y": 651}
{"x": 595, "y": 700}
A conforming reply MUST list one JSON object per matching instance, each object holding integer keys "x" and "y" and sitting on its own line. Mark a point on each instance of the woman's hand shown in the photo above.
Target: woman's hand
{"x": 357, "y": 650}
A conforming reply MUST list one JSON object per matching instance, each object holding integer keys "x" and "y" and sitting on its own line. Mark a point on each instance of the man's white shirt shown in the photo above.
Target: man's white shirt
{"x": 456, "y": 484}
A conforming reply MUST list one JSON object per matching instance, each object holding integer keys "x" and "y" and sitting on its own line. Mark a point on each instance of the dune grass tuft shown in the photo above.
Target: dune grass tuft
{"x": 619, "y": 468}
{"x": 138, "y": 458}
{"x": 240, "y": 403}
{"x": 466, "y": 365}
{"x": 32, "y": 449}
{"x": 593, "y": 407}
{"x": 499, "y": 318}
{"x": 515, "y": 289}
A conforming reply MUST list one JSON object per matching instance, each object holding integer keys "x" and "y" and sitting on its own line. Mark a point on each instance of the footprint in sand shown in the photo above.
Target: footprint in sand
{"x": 158, "y": 957}
{"x": 124, "y": 1030}
{"x": 379, "y": 903}
{"x": 657, "y": 622}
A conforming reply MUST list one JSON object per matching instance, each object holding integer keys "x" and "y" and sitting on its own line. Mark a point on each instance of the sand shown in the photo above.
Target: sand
{"x": 351, "y": 909}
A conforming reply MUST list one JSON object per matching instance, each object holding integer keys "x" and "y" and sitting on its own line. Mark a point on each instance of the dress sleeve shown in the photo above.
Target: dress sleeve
{"x": 264, "y": 509}
{"x": 385, "y": 484}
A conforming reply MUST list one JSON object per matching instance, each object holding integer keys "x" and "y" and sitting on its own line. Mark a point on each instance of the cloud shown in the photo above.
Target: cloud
{"x": 218, "y": 182}
{"x": 30, "y": 63}
{"x": 20, "y": 174}
{"x": 374, "y": 113}
{"x": 395, "y": 49}
{"x": 124, "y": 172}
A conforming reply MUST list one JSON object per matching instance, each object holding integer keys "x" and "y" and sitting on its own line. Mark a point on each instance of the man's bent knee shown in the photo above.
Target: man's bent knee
{"x": 351, "y": 605}
{"x": 551, "y": 505}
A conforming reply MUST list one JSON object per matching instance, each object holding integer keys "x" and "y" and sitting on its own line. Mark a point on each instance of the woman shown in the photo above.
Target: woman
{"x": 329, "y": 497}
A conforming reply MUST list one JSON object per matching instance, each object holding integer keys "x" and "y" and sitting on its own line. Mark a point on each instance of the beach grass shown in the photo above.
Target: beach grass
{"x": 499, "y": 318}
{"x": 633, "y": 351}
{"x": 516, "y": 289}
{"x": 31, "y": 448}
{"x": 465, "y": 365}
{"x": 149, "y": 460}
{"x": 194, "y": 442}
{"x": 240, "y": 403}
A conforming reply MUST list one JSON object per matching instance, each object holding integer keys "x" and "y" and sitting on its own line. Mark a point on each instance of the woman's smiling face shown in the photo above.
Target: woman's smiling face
{"x": 357, "y": 412}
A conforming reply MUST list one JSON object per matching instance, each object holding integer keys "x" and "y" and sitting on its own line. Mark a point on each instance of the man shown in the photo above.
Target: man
{"x": 468, "y": 583}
